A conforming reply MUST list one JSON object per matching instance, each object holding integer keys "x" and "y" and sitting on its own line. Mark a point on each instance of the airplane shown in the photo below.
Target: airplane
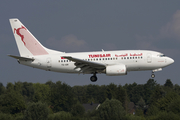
{"x": 111, "y": 63}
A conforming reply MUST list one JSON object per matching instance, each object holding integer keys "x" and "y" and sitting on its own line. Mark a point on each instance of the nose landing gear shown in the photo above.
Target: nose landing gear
{"x": 93, "y": 78}
{"x": 153, "y": 75}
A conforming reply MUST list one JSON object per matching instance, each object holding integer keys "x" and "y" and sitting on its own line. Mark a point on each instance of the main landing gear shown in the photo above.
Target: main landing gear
{"x": 153, "y": 75}
{"x": 93, "y": 78}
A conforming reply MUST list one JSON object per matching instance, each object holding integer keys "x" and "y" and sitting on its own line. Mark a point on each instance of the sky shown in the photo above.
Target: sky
{"x": 78, "y": 26}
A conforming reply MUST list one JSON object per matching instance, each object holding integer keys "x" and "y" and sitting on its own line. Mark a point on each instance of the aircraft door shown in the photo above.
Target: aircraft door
{"x": 149, "y": 58}
{"x": 48, "y": 61}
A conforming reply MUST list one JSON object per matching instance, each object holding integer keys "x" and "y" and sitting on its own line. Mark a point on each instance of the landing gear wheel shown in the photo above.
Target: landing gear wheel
{"x": 153, "y": 76}
{"x": 93, "y": 78}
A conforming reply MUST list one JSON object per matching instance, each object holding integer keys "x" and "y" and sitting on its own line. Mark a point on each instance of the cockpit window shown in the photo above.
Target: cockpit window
{"x": 162, "y": 55}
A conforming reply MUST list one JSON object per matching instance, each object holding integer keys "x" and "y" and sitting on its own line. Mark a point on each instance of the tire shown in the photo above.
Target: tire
{"x": 153, "y": 76}
{"x": 93, "y": 78}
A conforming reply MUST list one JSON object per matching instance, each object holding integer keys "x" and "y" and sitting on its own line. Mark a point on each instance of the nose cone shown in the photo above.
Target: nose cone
{"x": 170, "y": 61}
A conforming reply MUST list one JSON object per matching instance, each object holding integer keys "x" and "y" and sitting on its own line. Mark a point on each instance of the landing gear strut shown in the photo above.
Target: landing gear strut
{"x": 153, "y": 75}
{"x": 93, "y": 78}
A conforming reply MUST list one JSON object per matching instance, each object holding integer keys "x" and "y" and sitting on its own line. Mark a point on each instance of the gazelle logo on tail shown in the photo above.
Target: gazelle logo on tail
{"x": 18, "y": 33}
{"x": 30, "y": 41}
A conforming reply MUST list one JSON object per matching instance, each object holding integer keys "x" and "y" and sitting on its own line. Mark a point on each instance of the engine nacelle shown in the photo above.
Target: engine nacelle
{"x": 115, "y": 70}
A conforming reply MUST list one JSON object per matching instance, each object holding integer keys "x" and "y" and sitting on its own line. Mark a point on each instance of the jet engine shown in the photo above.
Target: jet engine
{"x": 115, "y": 70}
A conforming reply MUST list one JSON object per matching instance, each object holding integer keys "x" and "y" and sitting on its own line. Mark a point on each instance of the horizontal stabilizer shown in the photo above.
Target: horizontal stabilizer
{"x": 21, "y": 58}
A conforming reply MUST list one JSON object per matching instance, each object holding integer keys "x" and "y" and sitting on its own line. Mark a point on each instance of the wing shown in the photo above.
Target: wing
{"x": 86, "y": 66}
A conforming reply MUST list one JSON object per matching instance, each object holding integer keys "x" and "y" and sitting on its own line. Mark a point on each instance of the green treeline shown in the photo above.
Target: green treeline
{"x": 59, "y": 101}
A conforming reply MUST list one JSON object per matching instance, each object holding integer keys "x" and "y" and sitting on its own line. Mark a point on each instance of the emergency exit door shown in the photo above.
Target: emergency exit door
{"x": 149, "y": 58}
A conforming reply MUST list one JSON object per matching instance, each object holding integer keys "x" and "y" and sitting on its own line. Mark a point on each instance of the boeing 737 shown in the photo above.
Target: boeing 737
{"x": 111, "y": 63}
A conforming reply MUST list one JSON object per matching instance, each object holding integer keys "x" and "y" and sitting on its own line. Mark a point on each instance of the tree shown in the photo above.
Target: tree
{"x": 136, "y": 93}
{"x": 78, "y": 110}
{"x": 41, "y": 92}
{"x": 163, "y": 103}
{"x": 80, "y": 93}
{"x": 168, "y": 83}
{"x": 12, "y": 102}
{"x": 151, "y": 83}
{"x": 153, "y": 110}
{"x": 28, "y": 91}
{"x": 101, "y": 96}
{"x": 36, "y": 111}
{"x": 174, "y": 106}
{"x": 62, "y": 115}
{"x": 111, "y": 91}
{"x": 141, "y": 104}
{"x": 164, "y": 116}
{"x": 10, "y": 87}
{"x": 18, "y": 86}
{"x": 129, "y": 88}
{"x": 4, "y": 116}
{"x": 50, "y": 83}
{"x": 111, "y": 110}
{"x": 177, "y": 89}
{"x": 122, "y": 96}
{"x": 157, "y": 94}
{"x": 139, "y": 112}
{"x": 2, "y": 89}
{"x": 148, "y": 90}
{"x": 91, "y": 93}
{"x": 62, "y": 97}
{"x": 133, "y": 117}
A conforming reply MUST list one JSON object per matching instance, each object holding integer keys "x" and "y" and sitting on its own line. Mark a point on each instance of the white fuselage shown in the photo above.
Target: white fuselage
{"x": 134, "y": 60}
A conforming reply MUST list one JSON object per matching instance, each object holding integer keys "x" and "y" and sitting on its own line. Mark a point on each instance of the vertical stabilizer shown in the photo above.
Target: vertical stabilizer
{"x": 27, "y": 44}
